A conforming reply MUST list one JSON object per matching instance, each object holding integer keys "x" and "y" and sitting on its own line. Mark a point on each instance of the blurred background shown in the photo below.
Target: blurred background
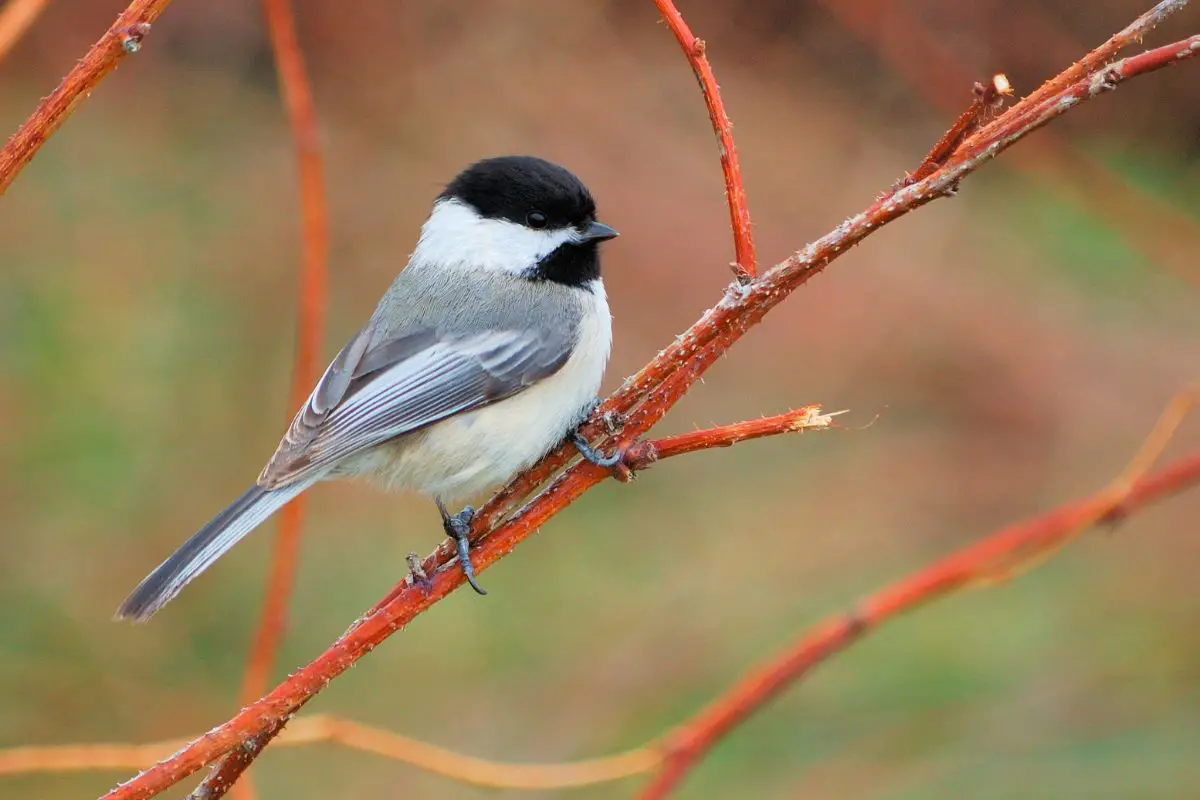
{"x": 1017, "y": 342}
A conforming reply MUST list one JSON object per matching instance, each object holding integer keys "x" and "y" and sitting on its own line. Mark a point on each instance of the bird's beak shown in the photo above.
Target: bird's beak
{"x": 598, "y": 232}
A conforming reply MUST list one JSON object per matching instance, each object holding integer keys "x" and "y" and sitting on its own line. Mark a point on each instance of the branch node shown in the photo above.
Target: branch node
{"x": 857, "y": 621}
{"x": 1105, "y": 81}
{"x": 623, "y": 472}
{"x": 416, "y": 573}
{"x": 131, "y": 37}
{"x": 613, "y": 422}
{"x": 640, "y": 455}
{"x": 739, "y": 290}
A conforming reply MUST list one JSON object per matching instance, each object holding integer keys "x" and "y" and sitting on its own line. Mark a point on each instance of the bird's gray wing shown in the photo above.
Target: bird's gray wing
{"x": 374, "y": 392}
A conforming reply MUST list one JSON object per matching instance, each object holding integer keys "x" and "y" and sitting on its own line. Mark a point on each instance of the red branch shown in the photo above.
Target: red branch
{"x": 643, "y": 454}
{"x": 972, "y": 564}
{"x": 638, "y": 404}
{"x": 746, "y": 261}
{"x": 122, "y": 38}
{"x": 1093, "y": 61}
{"x": 310, "y": 324}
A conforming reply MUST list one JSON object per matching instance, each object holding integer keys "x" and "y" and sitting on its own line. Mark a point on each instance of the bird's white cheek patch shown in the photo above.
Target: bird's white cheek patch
{"x": 455, "y": 235}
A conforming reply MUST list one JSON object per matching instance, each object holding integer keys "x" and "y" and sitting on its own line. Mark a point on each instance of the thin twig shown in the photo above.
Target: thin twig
{"x": 310, "y": 324}
{"x": 122, "y": 38}
{"x": 15, "y": 19}
{"x": 641, "y": 402}
{"x": 987, "y": 99}
{"x": 643, "y": 454}
{"x": 297, "y": 96}
{"x": 466, "y": 769}
{"x": 328, "y": 729}
{"x": 745, "y": 265}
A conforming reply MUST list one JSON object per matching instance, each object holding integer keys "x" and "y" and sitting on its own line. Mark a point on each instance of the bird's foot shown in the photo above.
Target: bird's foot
{"x": 615, "y": 463}
{"x": 457, "y": 527}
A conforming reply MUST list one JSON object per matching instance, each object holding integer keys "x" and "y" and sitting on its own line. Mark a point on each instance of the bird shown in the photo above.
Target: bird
{"x": 486, "y": 352}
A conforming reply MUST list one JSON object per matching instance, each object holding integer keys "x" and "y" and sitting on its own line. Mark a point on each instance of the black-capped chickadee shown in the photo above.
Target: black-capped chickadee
{"x": 486, "y": 351}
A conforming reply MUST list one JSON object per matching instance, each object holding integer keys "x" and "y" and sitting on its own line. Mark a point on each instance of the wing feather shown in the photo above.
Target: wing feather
{"x": 374, "y": 393}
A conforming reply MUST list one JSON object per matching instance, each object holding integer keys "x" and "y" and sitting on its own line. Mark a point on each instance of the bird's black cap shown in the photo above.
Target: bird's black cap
{"x": 513, "y": 187}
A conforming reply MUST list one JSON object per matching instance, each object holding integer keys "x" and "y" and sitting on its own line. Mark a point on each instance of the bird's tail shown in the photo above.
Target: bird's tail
{"x": 206, "y": 546}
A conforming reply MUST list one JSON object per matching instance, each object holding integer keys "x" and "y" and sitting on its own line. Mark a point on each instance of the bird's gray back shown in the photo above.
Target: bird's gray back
{"x": 423, "y": 296}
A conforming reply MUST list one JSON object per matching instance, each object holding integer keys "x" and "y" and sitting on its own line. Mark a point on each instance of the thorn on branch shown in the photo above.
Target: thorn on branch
{"x": 131, "y": 37}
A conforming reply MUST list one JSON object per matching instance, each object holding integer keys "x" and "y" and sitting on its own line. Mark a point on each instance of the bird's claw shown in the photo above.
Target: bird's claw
{"x": 594, "y": 456}
{"x": 458, "y": 527}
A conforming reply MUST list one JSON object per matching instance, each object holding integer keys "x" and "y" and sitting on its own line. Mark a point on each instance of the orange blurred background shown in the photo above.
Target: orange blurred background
{"x": 1017, "y": 342}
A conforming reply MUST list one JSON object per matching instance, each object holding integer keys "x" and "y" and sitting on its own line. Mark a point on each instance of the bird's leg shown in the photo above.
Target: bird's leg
{"x": 457, "y": 527}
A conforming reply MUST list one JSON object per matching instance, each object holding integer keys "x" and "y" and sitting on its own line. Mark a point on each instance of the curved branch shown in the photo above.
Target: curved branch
{"x": 638, "y": 404}
{"x": 310, "y": 325}
{"x": 978, "y": 563}
{"x": 15, "y": 19}
{"x": 323, "y": 729}
{"x": 122, "y": 38}
{"x": 745, "y": 264}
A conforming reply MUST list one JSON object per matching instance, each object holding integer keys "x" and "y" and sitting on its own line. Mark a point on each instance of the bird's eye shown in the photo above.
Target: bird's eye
{"x": 535, "y": 219}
